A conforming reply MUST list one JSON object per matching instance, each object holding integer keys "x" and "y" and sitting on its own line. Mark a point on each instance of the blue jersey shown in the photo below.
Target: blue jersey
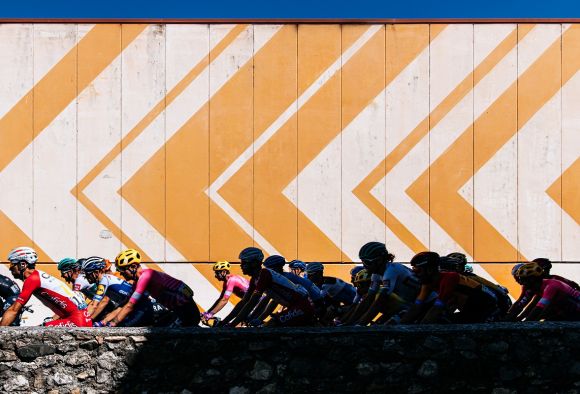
{"x": 338, "y": 291}
{"x": 118, "y": 290}
{"x": 313, "y": 291}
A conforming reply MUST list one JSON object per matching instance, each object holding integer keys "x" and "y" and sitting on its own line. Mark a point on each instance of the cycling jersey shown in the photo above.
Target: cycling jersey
{"x": 235, "y": 284}
{"x": 396, "y": 279}
{"x": 475, "y": 302}
{"x": 527, "y": 293}
{"x": 563, "y": 299}
{"x": 82, "y": 285}
{"x": 58, "y": 297}
{"x": 117, "y": 290}
{"x": 167, "y": 290}
{"x": 313, "y": 291}
{"x": 338, "y": 291}
{"x": 277, "y": 287}
{"x": 298, "y": 310}
{"x": 9, "y": 292}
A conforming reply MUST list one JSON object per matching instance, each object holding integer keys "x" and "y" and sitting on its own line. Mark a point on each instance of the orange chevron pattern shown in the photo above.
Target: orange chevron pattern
{"x": 194, "y": 141}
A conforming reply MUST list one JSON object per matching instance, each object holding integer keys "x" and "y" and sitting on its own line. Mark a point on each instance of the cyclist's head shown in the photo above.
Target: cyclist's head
{"x": 355, "y": 270}
{"x": 362, "y": 281}
{"x": 375, "y": 257}
{"x": 69, "y": 269}
{"x": 127, "y": 263}
{"x": 530, "y": 274}
{"x": 275, "y": 262}
{"x": 453, "y": 262}
{"x": 93, "y": 268}
{"x": 297, "y": 267}
{"x": 21, "y": 259}
{"x": 221, "y": 270}
{"x": 251, "y": 260}
{"x": 426, "y": 266}
{"x": 545, "y": 263}
{"x": 515, "y": 269}
{"x": 315, "y": 271}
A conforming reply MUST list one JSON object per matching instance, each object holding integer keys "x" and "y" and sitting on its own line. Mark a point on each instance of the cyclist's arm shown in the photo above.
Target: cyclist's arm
{"x": 359, "y": 310}
{"x": 529, "y": 308}
{"x": 259, "y": 309}
{"x": 538, "y": 313}
{"x": 111, "y": 315}
{"x": 246, "y": 309}
{"x": 215, "y": 308}
{"x": 123, "y": 313}
{"x": 433, "y": 314}
{"x": 96, "y": 307}
{"x": 272, "y": 305}
{"x": 237, "y": 308}
{"x": 517, "y": 307}
{"x": 385, "y": 303}
{"x": 542, "y": 308}
{"x": 11, "y": 314}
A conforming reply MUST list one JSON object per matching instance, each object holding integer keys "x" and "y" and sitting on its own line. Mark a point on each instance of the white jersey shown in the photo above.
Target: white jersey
{"x": 83, "y": 286}
{"x": 397, "y": 279}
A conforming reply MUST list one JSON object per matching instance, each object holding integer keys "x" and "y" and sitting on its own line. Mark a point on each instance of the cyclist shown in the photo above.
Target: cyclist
{"x": 361, "y": 281}
{"x": 113, "y": 293}
{"x": 297, "y": 311}
{"x": 297, "y": 267}
{"x": 67, "y": 305}
{"x": 168, "y": 291}
{"x": 457, "y": 262}
{"x": 70, "y": 271}
{"x": 276, "y": 263}
{"x": 393, "y": 286}
{"x": 557, "y": 299}
{"x": 9, "y": 292}
{"x": 338, "y": 295}
{"x": 232, "y": 284}
{"x": 354, "y": 271}
{"x": 475, "y": 302}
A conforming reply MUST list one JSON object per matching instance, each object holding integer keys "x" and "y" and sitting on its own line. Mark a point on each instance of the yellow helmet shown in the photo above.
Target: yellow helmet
{"x": 361, "y": 277}
{"x": 221, "y": 265}
{"x": 127, "y": 258}
{"x": 529, "y": 270}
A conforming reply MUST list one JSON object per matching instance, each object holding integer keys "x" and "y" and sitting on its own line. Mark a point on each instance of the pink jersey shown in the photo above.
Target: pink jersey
{"x": 53, "y": 293}
{"x": 167, "y": 290}
{"x": 235, "y": 284}
{"x": 560, "y": 296}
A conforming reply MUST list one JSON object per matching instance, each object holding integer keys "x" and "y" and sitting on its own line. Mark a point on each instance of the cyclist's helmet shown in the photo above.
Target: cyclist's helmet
{"x": 454, "y": 262}
{"x": 361, "y": 277}
{"x": 355, "y": 270}
{"x": 426, "y": 260}
{"x": 222, "y": 266}
{"x": 468, "y": 269}
{"x": 23, "y": 254}
{"x": 459, "y": 257}
{"x": 529, "y": 270}
{"x": 312, "y": 268}
{"x": 251, "y": 254}
{"x": 516, "y": 268}
{"x": 297, "y": 265}
{"x": 543, "y": 262}
{"x": 127, "y": 258}
{"x": 92, "y": 264}
{"x": 68, "y": 264}
{"x": 275, "y": 262}
{"x": 372, "y": 251}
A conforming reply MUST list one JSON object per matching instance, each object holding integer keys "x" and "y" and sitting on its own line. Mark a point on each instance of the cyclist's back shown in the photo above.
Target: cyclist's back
{"x": 397, "y": 279}
{"x": 313, "y": 291}
{"x": 168, "y": 291}
{"x": 563, "y": 300}
{"x": 338, "y": 291}
{"x": 82, "y": 285}
{"x": 235, "y": 284}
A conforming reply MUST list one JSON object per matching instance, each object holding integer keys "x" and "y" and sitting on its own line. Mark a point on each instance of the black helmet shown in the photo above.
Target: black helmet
{"x": 372, "y": 250}
{"x": 251, "y": 254}
{"x": 275, "y": 262}
{"x": 425, "y": 260}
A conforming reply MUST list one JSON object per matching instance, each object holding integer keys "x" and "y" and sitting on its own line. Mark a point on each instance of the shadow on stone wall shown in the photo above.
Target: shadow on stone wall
{"x": 500, "y": 358}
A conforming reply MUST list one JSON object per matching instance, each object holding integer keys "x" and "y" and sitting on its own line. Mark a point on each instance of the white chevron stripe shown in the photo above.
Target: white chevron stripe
{"x": 213, "y": 190}
{"x": 497, "y": 200}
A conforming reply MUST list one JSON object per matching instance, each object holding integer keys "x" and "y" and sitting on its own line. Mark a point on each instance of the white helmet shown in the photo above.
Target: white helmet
{"x": 23, "y": 253}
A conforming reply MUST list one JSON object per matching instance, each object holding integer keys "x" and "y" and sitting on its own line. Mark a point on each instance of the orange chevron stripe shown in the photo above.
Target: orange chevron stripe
{"x": 138, "y": 129}
{"x": 566, "y": 193}
{"x": 419, "y": 192}
{"x": 50, "y": 96}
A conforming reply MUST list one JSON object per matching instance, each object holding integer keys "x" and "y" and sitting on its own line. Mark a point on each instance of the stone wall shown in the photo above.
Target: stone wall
{"x": 500, "y": 358}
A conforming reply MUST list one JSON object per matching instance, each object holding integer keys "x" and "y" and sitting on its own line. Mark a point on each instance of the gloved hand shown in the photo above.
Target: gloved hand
{"x": 98, "y": 324}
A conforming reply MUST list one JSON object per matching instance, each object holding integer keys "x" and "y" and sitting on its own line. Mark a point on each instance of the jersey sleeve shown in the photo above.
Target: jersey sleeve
{"x": 547, "y": 296}
{"x": 101, "y": 289}
{"x": 229, "y": 287}
{"x": 30, "y": 285}
{"x": 264, "y": 281}
{"x": 141, "y": 286}
{"x": 389, "y": 280}
{"x": 375, "y": 283}
{"x": 447, "y": 285}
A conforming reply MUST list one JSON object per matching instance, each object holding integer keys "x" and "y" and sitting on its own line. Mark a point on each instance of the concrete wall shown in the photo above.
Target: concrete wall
{"x": 503, "y": 358}
{"x": 190, "y": 142}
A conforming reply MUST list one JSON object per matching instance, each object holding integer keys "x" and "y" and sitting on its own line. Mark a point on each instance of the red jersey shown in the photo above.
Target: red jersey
{"x": 53, "y": 293}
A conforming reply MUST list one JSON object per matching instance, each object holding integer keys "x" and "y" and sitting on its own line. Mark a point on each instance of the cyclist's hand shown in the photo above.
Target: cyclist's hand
{"x": 98, "y": 324}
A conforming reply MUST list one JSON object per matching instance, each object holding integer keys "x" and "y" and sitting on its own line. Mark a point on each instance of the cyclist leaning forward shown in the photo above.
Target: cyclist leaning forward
{"x": 69, "y": 307}
{"x": 298, "y": 311}
{"x": 168, "y": 291}
{"x": 113, "y": 293}
{"x": 232, "y": 284}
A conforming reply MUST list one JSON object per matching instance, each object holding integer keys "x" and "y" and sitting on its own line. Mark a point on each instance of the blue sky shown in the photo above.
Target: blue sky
{"x": 288, "y": 9}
